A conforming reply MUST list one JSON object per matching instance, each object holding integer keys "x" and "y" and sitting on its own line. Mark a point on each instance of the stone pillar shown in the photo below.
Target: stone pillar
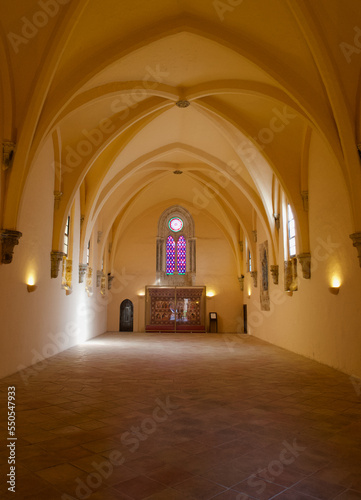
{"x": 159, "y": 256}
{"x": 9, "y": 239}
{"x": 192, "y": 255}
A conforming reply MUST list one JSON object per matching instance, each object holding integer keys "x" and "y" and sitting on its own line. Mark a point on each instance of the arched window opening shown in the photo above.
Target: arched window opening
{"x": 66, "y": 236}
{"x": 176, "y": 248}
{"x": 181, "y": 255}
{"x": 291, "y": 232}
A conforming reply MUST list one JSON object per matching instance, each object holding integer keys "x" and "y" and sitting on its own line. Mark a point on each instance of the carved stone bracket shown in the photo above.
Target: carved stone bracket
{"x": 305, "y": 261}
{"x": 8, "y": 154}
{"x": 275, "y": 273}
{"x": 110, "y": 279}
{"x": 67, "y": 275}
{"x": 304, "y": 195}
{"x": 56, "y": 258}
{"x": 89, "y": 281}
{"x": 356, "y": 239}
{"x": 291, "y": 280}
{"x": 82, "y": 272}
{"x": 241, "y": 282}
{"x": 9, "y": 239}
{"x": 103, "y": 285}
{"x": 99, "y": 236}
{"x": 277, "y": 220}
{"x": 57, "y": 199}
{"x": 254, "y": 277}
{"x": 100, "y": 275}
{"x": 254, "y": 235}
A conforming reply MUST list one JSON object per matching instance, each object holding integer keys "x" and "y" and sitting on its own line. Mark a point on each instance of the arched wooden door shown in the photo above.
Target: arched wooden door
{"x": 126, "y": 316}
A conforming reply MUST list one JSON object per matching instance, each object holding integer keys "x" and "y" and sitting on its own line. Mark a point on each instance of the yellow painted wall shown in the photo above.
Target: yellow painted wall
{"x": 313, "y": 322}
{"x": 135, "y": 268}
{"x": 37, "y": 325}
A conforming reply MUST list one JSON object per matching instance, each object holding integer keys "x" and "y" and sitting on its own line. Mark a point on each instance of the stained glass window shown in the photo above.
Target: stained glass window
{"x": 175, "y": 224}
{"x": 181, "y": 255}
{"x": 170, "y": 250}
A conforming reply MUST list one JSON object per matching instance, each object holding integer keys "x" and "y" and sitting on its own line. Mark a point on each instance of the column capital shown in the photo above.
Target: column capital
{"x": 356, "y": 240}
{"x": 305, "y": 261}
{"x": 82, "y": 272}
{"x": 9, "y": 239}
{"x": 55, "y": 258}
{"x": 8, "y": 154}
{"x": 254, "y": 277}
{"x": 275, "y": 273}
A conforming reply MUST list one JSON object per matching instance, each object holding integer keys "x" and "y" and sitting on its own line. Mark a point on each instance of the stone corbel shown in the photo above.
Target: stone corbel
{"x": 100, "y": 274}
{"x": 9, "y": 239}
{"x": 241, "y": 282}
{"x": 275, "y": 273}
{"x": 8, "y": 154}
{"x": 99, "y": 236}
{"x": 103, "y": 285}
{"x": 277, "y": 220}
{"x": 356, "y": 239}
{"x": 89, "y": 281}
{"x": 57, "y": 199}
{"x": 254, "y": 277}
{"x": 305, "y": 261}
{"x": 110, "y": 279}
{"x": 304, "y": 195}
{"x": 254, "y": 235}
{"x": 56, "y": 258}
{"x": 82, "y": 272}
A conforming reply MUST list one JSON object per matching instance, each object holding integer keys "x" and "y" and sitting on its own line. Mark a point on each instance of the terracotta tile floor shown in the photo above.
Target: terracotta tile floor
{"x": 182, "y": 417}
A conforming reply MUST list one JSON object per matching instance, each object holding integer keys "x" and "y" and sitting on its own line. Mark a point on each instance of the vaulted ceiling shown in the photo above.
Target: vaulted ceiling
{"x": 96, "y": 86}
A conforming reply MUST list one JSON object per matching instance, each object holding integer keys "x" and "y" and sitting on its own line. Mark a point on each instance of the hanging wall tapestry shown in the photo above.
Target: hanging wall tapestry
{"x": 264, "y": 292}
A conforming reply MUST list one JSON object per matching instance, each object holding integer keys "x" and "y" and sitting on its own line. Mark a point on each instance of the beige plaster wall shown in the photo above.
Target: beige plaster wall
{"x": 313, "y": 322}
{"x": 40, "y": 324}
{"x": 135, "y": 268}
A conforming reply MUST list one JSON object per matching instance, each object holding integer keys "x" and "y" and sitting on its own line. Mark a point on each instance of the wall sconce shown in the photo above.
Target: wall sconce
{"x": 210, "y": 294}
{"x": 335, "y": 287}
{"x": 30, "y": 284}
{"x": 289, "y": 293}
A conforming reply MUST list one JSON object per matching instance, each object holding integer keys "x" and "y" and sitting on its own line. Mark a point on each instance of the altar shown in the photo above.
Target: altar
{"x": 175, "y": 309}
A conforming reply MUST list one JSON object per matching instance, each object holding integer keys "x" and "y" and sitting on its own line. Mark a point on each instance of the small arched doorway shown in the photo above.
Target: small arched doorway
{"x": 126, "y": 316}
